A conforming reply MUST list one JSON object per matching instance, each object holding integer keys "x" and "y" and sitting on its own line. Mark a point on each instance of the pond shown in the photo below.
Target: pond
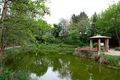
{"x": 62, "y": 67}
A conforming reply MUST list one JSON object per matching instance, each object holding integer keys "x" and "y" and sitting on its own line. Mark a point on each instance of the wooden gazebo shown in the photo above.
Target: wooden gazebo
{"x": 99, "y": 38}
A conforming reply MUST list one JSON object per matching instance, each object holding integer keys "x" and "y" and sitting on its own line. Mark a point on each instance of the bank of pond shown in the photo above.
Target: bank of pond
{"x": 54, "y": 62}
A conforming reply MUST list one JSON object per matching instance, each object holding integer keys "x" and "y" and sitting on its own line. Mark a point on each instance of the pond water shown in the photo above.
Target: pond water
{"x": 62, "y": 67}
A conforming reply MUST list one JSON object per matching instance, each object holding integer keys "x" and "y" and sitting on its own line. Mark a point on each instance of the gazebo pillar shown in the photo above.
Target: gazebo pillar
{"x": 91, "y": 44}
{"x": 99, "y": 47}
{"x": 106, "y": 45}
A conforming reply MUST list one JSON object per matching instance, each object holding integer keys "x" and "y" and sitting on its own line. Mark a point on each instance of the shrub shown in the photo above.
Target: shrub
{"x": 112, "y": 60}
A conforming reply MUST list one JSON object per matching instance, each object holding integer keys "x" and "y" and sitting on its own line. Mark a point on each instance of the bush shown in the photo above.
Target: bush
{"x": 5, "y": 75}
{"x": 112, "y": 60}
{"x": 9, "y": 75}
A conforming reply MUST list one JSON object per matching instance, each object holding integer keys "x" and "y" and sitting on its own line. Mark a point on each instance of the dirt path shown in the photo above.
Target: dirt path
{"x": 12, "y": 47}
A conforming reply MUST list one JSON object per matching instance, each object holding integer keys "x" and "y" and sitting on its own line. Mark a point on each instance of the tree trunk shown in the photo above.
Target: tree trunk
{"x": 2, "y": 45}
{"x": 4, "y": 12}
{"x": 118, "y": 38}
{"x": 117, "y": 31}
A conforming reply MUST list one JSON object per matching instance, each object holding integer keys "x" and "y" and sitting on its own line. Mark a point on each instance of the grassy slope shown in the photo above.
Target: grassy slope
{"x": 56, "y": 49}
{"x": 113, "y": 61}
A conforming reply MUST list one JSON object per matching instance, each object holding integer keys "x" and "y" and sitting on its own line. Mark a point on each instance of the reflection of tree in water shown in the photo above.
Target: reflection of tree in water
{"x": 31, "y": 64}
{"x": 67, "y": 66}
{"x": 102, "y": 73}
{"x": 60, "y": 64}
{"x": 39, "y": 67}
{"x": 54, "y": 62}
{"x": 64, "y": 71}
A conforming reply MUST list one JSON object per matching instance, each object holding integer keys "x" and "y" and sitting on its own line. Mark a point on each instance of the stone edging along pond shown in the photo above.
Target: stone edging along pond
{"x": 106, "y": 60}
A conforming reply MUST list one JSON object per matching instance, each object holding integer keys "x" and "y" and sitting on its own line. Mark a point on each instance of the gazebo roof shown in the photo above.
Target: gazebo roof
{"x": 100, "y": 37}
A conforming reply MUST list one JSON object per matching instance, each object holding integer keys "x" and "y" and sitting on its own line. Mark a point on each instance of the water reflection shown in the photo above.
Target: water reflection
{"x": 49, "y": 75}
{"x": 63, "y": 67}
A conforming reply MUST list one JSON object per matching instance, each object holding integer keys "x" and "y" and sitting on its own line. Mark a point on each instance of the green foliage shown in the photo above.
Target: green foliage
{"x": 29, "y": 8}
{"x": 21, "y": 76}
{"x": 82, "y": 25}
{"x": 63, "y": 29}
{"x": 56, "y": 30}
{"x": 74, "y": 38}
{"x": 56, "y": 49}
{"x": 18, "y": 25}
{"x": 5, "y": 75}
{"x": 82, "y": 22}
{"x": 74, "y": 33}
{"x": 78, "y": 18}
{"x": 93, "y": 28}
{"x": 18, "y": 32}
{"x": 108, "y": 22}
{"x": 42, "y": 31}
{"x": 12, "y": 54}
{"x": 112, "y": 60}
{"x": 9, "y": 75}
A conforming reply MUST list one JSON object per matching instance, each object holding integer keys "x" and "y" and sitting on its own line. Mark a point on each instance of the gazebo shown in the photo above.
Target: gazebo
{"x": 99, "y": 38}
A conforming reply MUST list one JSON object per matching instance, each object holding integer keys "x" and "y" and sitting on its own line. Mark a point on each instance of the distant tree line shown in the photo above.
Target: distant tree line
{"x": 22, "y": 24}
{"x": 79, "y": 28}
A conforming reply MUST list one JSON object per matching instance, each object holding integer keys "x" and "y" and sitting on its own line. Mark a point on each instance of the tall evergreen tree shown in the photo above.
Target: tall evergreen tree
{"x": 93, "y": 24}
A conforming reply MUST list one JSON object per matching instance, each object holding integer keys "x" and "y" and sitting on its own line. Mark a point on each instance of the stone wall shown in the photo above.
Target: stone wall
{"x": 84, "y": 52}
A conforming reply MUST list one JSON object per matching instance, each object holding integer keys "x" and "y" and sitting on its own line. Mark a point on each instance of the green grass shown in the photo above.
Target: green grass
{"x": 56, "y": 48}
{"x": 42, "y": 49}
{"x": 113, "y": 61}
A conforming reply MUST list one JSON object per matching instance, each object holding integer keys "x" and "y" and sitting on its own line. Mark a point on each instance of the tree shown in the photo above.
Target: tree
{"x": 74, "y": 18}
{"x": 60, "y": 30}
{"x": 81, "y": 23}
{"x": 16, "y": 21}
{"x": 56, "y": 30}
{"x": 42, "y": 31}
{"x": 78, "y": 18}
{"x": 93, "y": 24}
{"x": 4, "y": 12}
{"x": 64, "y": 25}
{"x": 108, "y": 22}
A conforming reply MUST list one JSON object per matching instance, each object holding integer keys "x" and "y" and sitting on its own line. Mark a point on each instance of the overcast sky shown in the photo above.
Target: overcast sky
{"x": 65, "y": 8}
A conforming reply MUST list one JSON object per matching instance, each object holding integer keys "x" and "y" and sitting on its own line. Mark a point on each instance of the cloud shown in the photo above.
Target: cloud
{"x": 65, "y": 8}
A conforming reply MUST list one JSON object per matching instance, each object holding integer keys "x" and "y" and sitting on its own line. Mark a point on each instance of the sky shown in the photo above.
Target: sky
{"x": 66, "y": 8}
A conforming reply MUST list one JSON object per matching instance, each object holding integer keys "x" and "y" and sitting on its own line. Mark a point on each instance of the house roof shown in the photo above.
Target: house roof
{"x": 100, "y": 37}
